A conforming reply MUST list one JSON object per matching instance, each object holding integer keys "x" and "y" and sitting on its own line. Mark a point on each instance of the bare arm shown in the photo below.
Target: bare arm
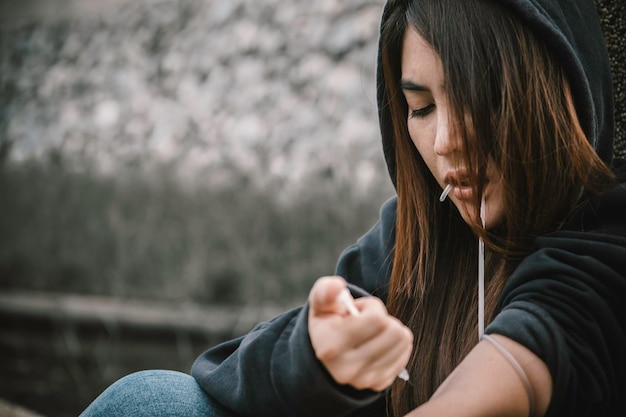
{"x": 485, "y": 384}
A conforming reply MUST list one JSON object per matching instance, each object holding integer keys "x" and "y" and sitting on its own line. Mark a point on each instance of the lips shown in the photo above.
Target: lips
{"x": 461, "y": 187}
{"x": 463, "y": 192}
{"x": 459, "y": 177}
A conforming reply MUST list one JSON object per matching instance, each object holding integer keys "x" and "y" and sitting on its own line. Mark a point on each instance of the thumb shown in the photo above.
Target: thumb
{"x": 323, "y": 295}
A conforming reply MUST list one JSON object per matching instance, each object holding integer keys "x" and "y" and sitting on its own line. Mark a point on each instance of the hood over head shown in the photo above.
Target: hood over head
{"x": 572, "y": 31}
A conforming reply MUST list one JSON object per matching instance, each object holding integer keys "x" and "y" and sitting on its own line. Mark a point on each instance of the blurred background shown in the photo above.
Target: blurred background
{"x": 173, "y": 172}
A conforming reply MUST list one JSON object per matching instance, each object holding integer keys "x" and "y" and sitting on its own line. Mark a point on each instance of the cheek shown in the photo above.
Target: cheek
{"x": 498, "y": 212}
{"x": 424, "y": 146}
{"x": 495, "y": 209}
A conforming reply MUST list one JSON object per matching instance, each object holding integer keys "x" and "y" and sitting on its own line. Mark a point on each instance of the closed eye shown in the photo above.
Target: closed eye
{"x": 423, "y": 112}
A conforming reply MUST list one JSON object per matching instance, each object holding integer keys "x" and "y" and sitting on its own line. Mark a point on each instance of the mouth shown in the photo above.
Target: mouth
{"x": 458, "y": 178}
{"x": 462, "y": 187}
{"x": 463, "y": 192}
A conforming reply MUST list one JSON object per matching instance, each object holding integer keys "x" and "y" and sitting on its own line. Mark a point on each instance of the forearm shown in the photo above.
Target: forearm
{"x": 486, "y": 384}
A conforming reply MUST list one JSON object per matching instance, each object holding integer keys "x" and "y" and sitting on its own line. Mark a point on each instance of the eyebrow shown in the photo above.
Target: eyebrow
{"x": 411, "y": 86}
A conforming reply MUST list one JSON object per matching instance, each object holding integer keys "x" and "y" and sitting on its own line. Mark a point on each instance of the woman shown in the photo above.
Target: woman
{"x": 496, "y": 118}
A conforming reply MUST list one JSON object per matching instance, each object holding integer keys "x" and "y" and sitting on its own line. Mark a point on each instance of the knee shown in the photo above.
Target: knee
{"x": 153, "y": 393}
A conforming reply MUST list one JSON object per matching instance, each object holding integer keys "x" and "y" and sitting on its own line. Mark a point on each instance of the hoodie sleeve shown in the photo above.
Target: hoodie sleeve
{"x": 566, "y": 302}
{"x": 367, "y": 264}
{"x": 273, "y": 369}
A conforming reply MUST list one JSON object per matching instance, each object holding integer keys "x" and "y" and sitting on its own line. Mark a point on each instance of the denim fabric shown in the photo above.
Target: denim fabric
{"x": 155, "y": 393}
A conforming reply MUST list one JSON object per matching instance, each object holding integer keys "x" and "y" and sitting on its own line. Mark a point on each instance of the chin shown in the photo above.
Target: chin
{"x": 468, "y": 214}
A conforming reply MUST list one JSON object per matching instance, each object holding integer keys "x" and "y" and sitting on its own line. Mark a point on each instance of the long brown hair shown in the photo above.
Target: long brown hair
{"x": 510, "y": 101}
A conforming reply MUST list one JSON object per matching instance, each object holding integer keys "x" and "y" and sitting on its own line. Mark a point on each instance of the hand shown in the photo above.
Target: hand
{"x": 366, "y": 351}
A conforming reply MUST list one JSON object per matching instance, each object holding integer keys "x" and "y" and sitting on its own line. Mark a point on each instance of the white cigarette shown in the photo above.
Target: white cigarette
{"x": 346, "y": 299}
{"x": 445, "y": 193}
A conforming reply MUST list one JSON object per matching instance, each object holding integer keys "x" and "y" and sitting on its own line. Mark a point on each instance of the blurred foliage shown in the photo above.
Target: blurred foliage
{"x": 139, "y": 236}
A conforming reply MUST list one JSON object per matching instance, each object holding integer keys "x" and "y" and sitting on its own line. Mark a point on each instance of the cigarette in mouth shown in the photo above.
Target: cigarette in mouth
{"x": 445, "y": 193}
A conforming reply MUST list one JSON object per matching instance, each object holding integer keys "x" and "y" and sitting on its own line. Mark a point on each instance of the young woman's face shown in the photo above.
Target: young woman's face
{"x": 432, "y": 132}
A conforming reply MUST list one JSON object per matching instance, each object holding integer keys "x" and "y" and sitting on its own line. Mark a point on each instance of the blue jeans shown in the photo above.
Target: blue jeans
{"x": 155, "y": 394}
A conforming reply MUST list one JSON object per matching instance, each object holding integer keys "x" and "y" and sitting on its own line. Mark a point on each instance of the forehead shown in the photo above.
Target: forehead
{"x": 420, "y": 62}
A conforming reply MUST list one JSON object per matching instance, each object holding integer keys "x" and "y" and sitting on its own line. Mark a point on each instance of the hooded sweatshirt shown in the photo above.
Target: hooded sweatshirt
{"x": 566, "y": 301}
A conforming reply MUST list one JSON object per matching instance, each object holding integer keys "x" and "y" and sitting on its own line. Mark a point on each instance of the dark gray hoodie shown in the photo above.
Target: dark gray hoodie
{"x": 566, "y": 302}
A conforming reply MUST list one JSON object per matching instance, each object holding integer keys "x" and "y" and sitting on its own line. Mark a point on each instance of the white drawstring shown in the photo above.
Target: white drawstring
{"x": 481, "y": 264}
{"x": 481, "y": 310}
{"x": 481, "y": 275}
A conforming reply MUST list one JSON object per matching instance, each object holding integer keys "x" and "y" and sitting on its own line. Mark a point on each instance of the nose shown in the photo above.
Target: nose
{"x": 446, "y": 141}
